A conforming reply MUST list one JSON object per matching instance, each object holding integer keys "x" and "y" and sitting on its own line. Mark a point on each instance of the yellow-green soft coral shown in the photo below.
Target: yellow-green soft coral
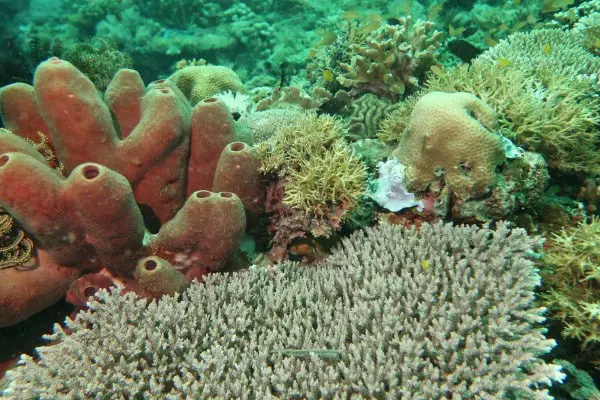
{"x": 320, "y": 172}
{"x": 571, "y": 277}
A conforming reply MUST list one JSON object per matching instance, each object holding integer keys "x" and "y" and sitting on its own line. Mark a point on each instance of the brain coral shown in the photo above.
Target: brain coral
{"x": 449, "y": 136}
{"x": 199, "y": 82}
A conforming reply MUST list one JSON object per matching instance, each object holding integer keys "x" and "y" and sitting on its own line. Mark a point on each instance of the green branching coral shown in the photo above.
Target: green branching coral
{"x": 392, "y": 58}
{"x": 571, "y": 277}
{"x": 320, "y": 172}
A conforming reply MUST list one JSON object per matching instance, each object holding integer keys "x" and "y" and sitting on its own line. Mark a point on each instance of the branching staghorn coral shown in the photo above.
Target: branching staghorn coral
{"x": 318, "y": 179}
{"x": 393, "y": 313}
{"x": 318, "y": 169}
{"x": 572, "y": 281}
{"x": 392, "y": 58}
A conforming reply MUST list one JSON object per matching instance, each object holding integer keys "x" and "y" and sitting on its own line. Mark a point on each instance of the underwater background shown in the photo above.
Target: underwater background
{"x": 300, "y": 199}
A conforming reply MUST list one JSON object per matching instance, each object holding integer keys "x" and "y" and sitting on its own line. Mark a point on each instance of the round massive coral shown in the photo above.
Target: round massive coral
{"x": 449, "y": 137}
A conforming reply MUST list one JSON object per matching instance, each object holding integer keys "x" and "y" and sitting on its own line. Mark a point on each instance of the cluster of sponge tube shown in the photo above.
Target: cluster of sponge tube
{"x": 136, "y": 146}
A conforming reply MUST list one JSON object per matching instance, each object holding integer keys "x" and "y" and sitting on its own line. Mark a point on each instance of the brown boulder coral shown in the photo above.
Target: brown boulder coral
{"x": 449, "y": 137}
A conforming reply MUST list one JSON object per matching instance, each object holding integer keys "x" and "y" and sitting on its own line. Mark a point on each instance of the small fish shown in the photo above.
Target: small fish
{"x": 516, "y": 2}
{"x": 463, "y": 50}
{"x": 518, "y": 26}
{"x": 350, "y": 15}
{"x": 503, "y": 62}
{"x": 437, "y": 70}
{"x": 328, "y": 75}
{"x": 393, "y": 21}
{"x": 434, "y": 11}
{"x": 323, "y": 353}
{"x": 327, "y": 38}
{"x": 547, "y": 49}
{"x": 373, "y": 24}
{"x": 490, "y": 41}
{"x": 425, "y": 264}
{"x": 456, "y": 32}
{"x": 531, "y": 19}
{"x": 305, "y": 250}
{"x": 556, "y": 5}
{"x": 596, "y": 44}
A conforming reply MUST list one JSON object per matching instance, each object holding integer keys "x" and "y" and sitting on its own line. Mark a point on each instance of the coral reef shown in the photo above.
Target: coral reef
{"x": 544, "y": 102}
{"x": 90, "y": 219}
{"x": 367, "y": 113}
{"x": 318, "y": 177}
{"x": 393, "y": 313}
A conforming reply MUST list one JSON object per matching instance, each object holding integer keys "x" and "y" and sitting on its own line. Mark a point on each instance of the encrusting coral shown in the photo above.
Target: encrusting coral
{"x": 163, "y": 157}
{"x": 434, "y": 313}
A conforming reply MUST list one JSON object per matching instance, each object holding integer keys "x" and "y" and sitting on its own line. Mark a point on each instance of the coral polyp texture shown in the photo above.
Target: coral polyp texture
{"x": 444, "y": 312}
{"x": 84, "y": 218}
{"x": 451, "y": 137}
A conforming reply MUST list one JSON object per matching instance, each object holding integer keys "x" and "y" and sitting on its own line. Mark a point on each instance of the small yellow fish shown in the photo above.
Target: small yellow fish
{"x": 327, "y": 38}
{"x": 503, "y": 62}
{"x": 373, "y": 24}
{"x": 437, "y": 70}
{"x": 425, "y": 264}
{"x": 518, "y": 26}
{"x": 456, "y": 32}
{"x": 350, "y": 15}
{"x": 490, "y": 41}
{"x": 328, "y": 75}
{"x": 531, "y": 19}
{"x": 516, "y": 2}
{"x": 547, "y": 49}
{"x": 596, "y": 44}
{"x": 406, "y": 7}
{"x": 434, "y": 12}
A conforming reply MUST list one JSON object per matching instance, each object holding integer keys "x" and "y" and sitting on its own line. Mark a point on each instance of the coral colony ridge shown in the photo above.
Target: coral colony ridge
{"x": 300, "y": 199}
